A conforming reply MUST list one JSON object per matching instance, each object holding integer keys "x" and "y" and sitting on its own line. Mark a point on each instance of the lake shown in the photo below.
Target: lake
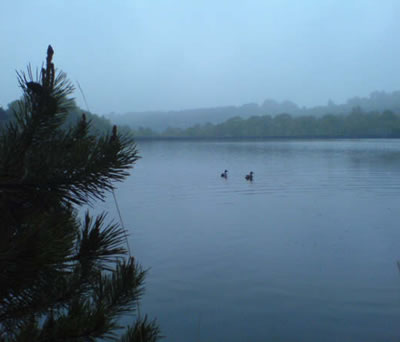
{"x": 305, "y": 252}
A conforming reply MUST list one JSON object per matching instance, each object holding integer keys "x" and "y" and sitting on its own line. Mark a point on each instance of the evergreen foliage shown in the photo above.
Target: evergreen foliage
{"x": 62, "y": 278}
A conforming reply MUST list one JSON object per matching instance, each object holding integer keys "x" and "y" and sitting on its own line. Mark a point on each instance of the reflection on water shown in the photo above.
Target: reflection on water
{"x": 305, "y": 252}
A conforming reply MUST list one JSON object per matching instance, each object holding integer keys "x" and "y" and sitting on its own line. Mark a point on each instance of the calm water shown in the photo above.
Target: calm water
{"x": 306, "y": 252}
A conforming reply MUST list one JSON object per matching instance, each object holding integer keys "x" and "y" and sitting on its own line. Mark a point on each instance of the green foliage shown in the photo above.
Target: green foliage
{"x": 62, "y": 279}
{"x": 159, "y": 121}
{"x": 356, "y": 124}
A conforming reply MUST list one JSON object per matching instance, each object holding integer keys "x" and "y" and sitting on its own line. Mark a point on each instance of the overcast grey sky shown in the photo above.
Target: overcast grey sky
{"x": 171, "y": 54}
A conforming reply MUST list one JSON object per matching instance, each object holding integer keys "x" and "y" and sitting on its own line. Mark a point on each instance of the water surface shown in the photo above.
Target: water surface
{"x": 305, "y": 252}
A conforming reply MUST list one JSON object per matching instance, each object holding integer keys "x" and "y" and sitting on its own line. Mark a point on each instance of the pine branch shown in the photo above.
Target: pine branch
{"x": 143, "y": 330}
{"x": 97, "y": 245}
{"x": 87, "y": 170}
{"x": 120, "y": 290}
{"x": 33, "y": 256}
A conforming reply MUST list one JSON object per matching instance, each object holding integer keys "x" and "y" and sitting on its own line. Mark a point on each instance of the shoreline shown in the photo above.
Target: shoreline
{"x": 274, "y": 138}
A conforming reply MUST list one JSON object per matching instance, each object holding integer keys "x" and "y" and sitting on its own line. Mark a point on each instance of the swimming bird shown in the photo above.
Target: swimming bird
{"x": 249, "y": 177}
{"x": 224, "y": 174}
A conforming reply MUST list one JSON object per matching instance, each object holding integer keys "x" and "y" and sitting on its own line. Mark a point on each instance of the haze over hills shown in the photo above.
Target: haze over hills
{"x": 161, "y": 120}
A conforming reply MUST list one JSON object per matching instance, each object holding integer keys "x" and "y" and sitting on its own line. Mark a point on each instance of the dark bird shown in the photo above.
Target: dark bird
{"x": 35, "y": 88}
{"x": 249, "y": 177}
{"x": 224, "y": 174}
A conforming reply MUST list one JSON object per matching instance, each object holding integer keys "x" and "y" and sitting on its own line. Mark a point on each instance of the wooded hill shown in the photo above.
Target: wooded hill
{"x": 159, "y": 121}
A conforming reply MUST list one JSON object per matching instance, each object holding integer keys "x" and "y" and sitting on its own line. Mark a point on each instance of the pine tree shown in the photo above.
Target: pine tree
{"x": 62, "y": 277}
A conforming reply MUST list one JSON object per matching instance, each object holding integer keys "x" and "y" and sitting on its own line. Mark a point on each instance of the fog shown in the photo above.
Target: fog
{"x": 171, "y": 55}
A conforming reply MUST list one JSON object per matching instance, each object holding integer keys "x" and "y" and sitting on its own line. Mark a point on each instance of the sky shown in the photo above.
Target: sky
{"x": 130, "y": 55}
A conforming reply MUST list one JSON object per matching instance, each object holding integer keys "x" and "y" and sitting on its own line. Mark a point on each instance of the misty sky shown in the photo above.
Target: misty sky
{"x": 170, "y": 54}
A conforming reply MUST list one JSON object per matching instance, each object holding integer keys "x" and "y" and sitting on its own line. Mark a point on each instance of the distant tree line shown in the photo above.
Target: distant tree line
{"x": 159, "y": 121}
{"x": 355, "y": 124}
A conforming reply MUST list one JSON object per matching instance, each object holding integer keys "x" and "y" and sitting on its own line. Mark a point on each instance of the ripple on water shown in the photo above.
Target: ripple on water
{"x": 305, "y": 252}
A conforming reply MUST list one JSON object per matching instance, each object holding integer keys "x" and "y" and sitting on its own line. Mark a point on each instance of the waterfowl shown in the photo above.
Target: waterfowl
{"x": 249, "y": 177}
{"x": 224, "y": 174}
